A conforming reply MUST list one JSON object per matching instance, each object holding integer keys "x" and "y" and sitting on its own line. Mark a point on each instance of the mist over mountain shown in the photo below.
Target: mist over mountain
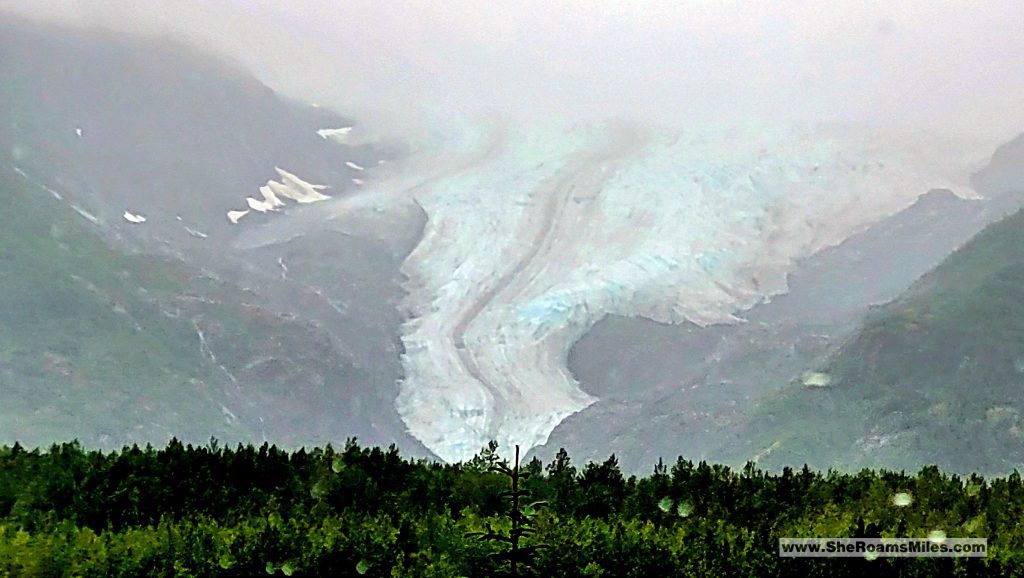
{"x": 115, "y": 126}
{"x": 703, "y": 384}
{"x": 932, "y": 376}
{"x": 197, "y": 247}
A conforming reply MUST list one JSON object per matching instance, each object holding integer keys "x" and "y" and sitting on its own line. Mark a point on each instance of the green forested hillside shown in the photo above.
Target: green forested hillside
{"x": 214, "y": 511}
{"x": 114, "y": 348}
{"x": 936, "y": 376}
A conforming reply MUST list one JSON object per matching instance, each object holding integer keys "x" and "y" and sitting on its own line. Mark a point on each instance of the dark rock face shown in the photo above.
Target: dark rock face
{"x": 685, "y": 390}
{"x": 116, "y": 124}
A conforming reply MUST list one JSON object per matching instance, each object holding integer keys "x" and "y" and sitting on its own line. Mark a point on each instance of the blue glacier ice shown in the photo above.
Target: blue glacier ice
{"x": 557, "y": 225}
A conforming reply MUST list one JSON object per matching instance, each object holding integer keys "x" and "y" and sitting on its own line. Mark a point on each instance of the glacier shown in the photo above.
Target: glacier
{"x": 550, "y": 226}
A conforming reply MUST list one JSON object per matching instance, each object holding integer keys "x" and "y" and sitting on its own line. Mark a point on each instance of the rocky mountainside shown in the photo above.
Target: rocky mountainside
{"x": 187, "y": 253}
{"x": 935, "y": 376}
{"x": 670, "y": 389}
{"x": 132, "y": 311}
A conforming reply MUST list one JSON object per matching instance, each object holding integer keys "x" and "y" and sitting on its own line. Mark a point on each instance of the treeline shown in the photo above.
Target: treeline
{"x": 245, "y": 511}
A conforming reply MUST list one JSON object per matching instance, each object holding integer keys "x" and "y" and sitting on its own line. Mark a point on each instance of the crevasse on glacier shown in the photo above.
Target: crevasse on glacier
{"x": 559, "y": 226}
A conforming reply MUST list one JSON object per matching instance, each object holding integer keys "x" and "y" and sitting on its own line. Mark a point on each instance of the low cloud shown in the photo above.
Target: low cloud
{"x": 949, "y": 65}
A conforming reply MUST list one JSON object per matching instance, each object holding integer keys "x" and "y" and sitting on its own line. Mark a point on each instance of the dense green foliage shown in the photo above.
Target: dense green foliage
{"x": 936, "y": 376}
{"x": 214, "y": 511}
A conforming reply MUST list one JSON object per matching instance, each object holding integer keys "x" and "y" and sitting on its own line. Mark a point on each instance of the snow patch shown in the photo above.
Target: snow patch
{"x": 25, "y": 176}
{"x": 133, "y": 218}
{"x": 196, "y": 233}
{"x": 270, "y": 197}
{"x": 260, "y": 206}
{"x": 86, "y": 214}
{"x": 337, "y": 134}
{"x": 289, "y": 187}
{"x": 297, "y": 189}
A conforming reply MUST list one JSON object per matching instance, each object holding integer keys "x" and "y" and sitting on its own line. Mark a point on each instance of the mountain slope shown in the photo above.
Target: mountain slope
{"x": 670, "y": 389}
{"x": 936, "y": 376}
{"x": 155, "y": 151}
{"x": 103, "y": 317}
{"x": 114, "y": 348}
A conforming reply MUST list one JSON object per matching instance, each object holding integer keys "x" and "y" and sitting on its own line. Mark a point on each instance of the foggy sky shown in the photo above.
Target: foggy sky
{"x": 951, "y": 65}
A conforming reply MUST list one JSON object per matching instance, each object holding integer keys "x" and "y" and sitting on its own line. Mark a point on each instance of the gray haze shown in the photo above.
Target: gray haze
{"x": 396, "y": 323}
{"x": 947, "y": 65}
